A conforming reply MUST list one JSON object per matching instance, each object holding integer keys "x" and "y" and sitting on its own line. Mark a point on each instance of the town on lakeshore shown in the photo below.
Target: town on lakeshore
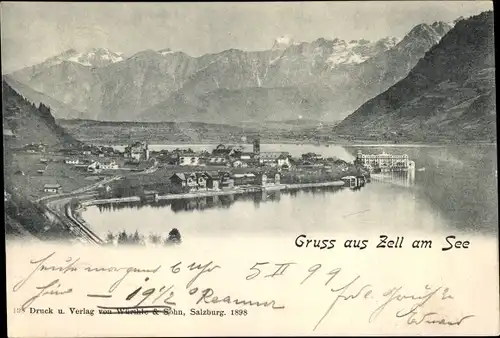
{"x": 65, "y": 181}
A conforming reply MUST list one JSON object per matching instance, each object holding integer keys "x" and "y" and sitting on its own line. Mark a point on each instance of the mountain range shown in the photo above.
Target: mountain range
{"x": 322, "y": 80}
{"x": 450, "y": 93}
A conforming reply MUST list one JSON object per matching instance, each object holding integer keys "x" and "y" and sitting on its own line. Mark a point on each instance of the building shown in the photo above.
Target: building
{"x": 213, "y": 183}
{"x": 52, "y": 188}
{"x": 35, "y": 148}
{"x": 226, "y": 181}
{"x": 383, "y": 161}
{"x": 178, "y": 179}
{"x": 312, "y": 157}
{"x": 137, "y": 151}
{"x": 217, "y": 160}
{"x": 108, "y": 165}
{"x": 41, "y": 168}
{"x": 226, "y": 151}
{"x": 195, "y": 181}
{"x": 244, "y": 179}
{"x": 94, "y": 167}
{"x": 72, "y": 161}
{"x": 191, "y": 160}
{"x": 266, "y": 179}
{"x": 246, "y": 156}
{"x": 104, "y": 190}
{"x": 275, "y": 159}
{"x": 149, "y": 195}
{"x": 239, "y": 164}
{"x": 256, "y": 147}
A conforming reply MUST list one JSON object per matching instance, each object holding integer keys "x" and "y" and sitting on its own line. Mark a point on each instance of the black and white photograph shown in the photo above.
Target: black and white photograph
{"x": 353, "y": 132}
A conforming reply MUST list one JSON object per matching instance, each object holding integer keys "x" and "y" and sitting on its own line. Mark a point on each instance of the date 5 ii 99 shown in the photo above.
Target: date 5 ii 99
{"x": 239, "y": 312}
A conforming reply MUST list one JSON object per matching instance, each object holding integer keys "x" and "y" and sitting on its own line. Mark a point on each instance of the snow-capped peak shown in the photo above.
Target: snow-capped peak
{"x": 94, "y": 57}
{"x": 358, "y": 51}
{"x": 283, "y": 42}
{"x": 166, "y": 51}
{"x": 97, "y": 57}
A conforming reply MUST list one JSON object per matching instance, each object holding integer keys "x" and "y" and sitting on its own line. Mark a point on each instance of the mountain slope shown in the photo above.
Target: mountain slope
{"x": 29, "y": 124}
{"x": 449, "y": 93}
{"x": 57, "y": 107}
{"x": 336, "y": 76}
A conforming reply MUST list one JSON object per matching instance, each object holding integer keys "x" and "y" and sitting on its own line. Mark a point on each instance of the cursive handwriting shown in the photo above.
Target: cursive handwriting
{"x": 49, "y": 289}
{"x": 396, "y": 294}
{"x": 429, "y": 319}
{"x": 365, "y": 291}
{"x": 208, "y": 297}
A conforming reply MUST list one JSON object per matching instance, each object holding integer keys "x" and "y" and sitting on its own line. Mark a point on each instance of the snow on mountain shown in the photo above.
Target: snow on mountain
{"x": 358, "y": 51}
{"x": 95, "y": 57}
{"x": 166, "y": 51}
{"x": 283, "y": 42}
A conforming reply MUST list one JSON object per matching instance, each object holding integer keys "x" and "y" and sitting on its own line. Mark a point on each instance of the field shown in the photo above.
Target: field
{"x": 22, "y": 173}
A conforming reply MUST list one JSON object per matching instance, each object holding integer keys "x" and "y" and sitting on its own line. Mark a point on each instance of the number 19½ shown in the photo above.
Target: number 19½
{"x": 239, "y": 312}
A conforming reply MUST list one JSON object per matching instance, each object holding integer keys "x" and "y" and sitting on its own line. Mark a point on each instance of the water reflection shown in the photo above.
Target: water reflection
{"x": 452, "y": 188}
{"x": 202, "y": 203}
{"x": 458, "y": 181}
{"x": 403, "y": 179}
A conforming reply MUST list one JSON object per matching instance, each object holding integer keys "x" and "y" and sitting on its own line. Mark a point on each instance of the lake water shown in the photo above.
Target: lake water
{"x": 454, "y": 190}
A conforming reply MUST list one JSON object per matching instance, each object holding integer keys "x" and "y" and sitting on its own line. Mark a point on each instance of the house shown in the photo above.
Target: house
{"x": 107, "y": 165}
{"x": 244, "y": 179}
{"x": 239, "y": 164}
{"x": 246, "y": 156}
{"x": 41, "y": 168}
{"x": 213, "y": 183}
{"x": 35, "y": 148}
{"x": 261, "y": 179}
{"x": 72, "y": 161}
{"x": 275, "y": 159}
{"x": 149, "y": 195}
{"x": 104, "y": 190}
{"x": 191, "y": 160}
{"x": 311, "y": 157}
{"x": 226, "y": 151}
{"x": 137, "y": 151}
{"x": 94, "y": 167}
{"x": 226, "y": 181}
{"x": 217, "y": 160}
{"x": 178, "y": 179}
{"x": 265, "y": 179}
{"x": 52, "y": 188}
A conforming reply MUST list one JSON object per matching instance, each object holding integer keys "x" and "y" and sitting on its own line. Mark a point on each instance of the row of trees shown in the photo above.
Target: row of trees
{"x": 123, "y": 238}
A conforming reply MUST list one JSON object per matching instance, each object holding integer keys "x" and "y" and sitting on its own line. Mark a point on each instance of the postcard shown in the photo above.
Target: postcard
{"x": 250, "y": 169}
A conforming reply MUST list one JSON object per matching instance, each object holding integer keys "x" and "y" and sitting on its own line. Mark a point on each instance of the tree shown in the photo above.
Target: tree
{"x": 135, "y": 238}
{"x": 155, "y": 239}
{"x": 110, "y": 238}
{"x": 174, "y": 237}
{"x": 122, "y": 237}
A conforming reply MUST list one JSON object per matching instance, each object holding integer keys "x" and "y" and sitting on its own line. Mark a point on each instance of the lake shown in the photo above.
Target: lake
{"x": 454, "y": 190}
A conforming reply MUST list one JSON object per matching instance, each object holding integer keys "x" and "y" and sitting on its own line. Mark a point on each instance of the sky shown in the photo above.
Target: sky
{"x": 34, "y": 31}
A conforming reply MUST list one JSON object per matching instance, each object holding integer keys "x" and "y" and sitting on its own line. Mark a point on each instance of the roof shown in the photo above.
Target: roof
{"x": 250, "y": 175}
{"x": 274, "y": 154}
{"x": 179, "y": 175}
{"x": 52, "y": 186}
{"x": 150, "y": 192}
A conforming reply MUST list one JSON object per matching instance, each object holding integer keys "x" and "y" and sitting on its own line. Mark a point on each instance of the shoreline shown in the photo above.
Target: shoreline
{"x": 356, "y": 143}
{"x": 208, "y": 193}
